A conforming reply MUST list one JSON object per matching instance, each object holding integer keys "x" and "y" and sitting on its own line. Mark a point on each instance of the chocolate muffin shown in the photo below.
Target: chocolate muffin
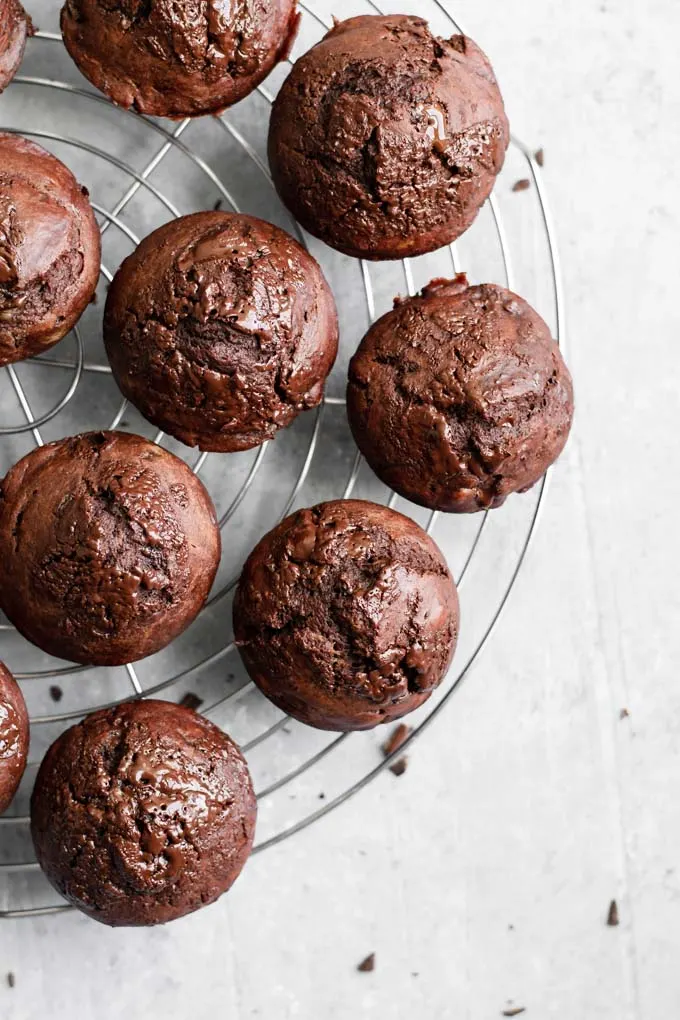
{"x": 142, "y": 813}
{"x": 108, "y": 547}
{"x": 460, "y": 396}
{"x": 346, "y": 615}
{"x": 14, "y": 737}
{"x": 177, "y": 59}
{"x": 15, "y": 26}
{"x": 49, "y": 249}
{"x": 220, "y": 329}
{"x": 384, "y": 141}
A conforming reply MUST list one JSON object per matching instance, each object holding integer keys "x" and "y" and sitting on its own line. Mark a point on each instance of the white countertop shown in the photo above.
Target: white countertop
{"x": 483, "y": 875}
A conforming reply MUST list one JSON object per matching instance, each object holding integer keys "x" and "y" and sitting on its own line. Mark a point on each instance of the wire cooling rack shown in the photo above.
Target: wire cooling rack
{"x": 141, "y": 172}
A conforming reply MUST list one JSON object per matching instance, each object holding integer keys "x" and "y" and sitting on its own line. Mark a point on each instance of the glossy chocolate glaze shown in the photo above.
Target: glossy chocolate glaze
{"x": 346, "y": 615}
{"x": 220, "y": 329}
{"x": 15, "y": 26}
{"x": 384, "y": 141}
{"x": 14, "y": 737}
{"x": 108, "y": 547}
{"x": 49, "y": 249}
{"x": 177, "y": 59}
{"x": 460, "y": 396}
{"x": 143, "y": 813}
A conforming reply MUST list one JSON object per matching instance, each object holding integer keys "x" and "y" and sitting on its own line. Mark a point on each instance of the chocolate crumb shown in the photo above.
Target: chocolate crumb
{"x": 218, "y": 205}
{"x": 94, "y": 299}
{"x": 11, "y": 980}
{"x": 514, "y": 1011}
{"x": 368, "y": 964}
{"x": 613, "y": 915}
{"x": 56, "y": 692}
{"x": 395, "y": 739}
{"x": 539, "y": 156}
{"x": 415, "y": 973}
{"x": 191, "y": 700}
{"x": 511, "y": 927}
{"x": 522, "y": 185}
{"x": 322, "y": 796}
{"x": 399, "y": 767}
{"x": 624, "y": 713}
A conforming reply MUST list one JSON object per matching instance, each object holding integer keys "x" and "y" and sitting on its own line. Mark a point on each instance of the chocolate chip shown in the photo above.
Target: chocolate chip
{"x": 399, "y": 767}
{"x": 191, "y": 700}
{"x": 11, "y": 980}
{"x": 368, "y": 964}
{"x": 56, "y": 692}
{"x": 522, "y": 185}
{"x": 539, "y": 156}
{"x": 395, "y": 739}
{"x": 514, "y": 1011}
{"x": 613, "y": 915}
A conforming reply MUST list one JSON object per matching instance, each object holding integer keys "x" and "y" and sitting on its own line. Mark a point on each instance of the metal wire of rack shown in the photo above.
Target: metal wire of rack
{"x": 17, "y": 896}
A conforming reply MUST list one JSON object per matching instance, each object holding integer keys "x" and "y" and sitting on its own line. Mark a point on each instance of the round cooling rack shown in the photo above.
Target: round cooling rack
{"x": 140, "y": 172}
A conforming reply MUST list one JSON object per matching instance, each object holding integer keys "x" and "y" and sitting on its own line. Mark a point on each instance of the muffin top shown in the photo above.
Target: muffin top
{"x": 15, "y": 26}
{"x": 220, "y": 328}
{"x": 14, "y": 737}
{"x": 49, "y": 249}
{"x": 108, "y": 547}
{"x": 346, "y": 615}
{"x": 459, "y": 396}
{"x": 177, "y": 59}
{"x": 385, "y": 140}
{"x": 142, "y": 813}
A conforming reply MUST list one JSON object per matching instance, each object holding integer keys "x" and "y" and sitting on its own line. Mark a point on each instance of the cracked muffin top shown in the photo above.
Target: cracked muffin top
{"x": 142, "y": 813}
{"x": 14, "y": 737}
{"x": 15, "y": 26}
{"x": 220, "y": 328}
{"x": 108, "y": 547}
{"x": 384, "y": 140}
{"x": 346, "y": 615}
{"x": 460, "y": 396}
{"x": 49, "y": 249}
{"x": 177, "y": 59}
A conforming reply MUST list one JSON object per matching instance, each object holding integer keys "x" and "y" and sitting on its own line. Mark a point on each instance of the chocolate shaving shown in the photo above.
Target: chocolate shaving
{"x": 522, "y": 185}
{"x": 399, "y": 766}
{"x": 624, "y": 713}
{"x": 395, "y": 739}
{"x": 514, "y": 1011}
{"x": 11, "y": 980}
{"x": 613, "y": 915}
{"x": 56, "y": 692}
{"x": 218, "y": 205}
{"x": 191, "y": 700}
{"x": 367, "y": 965}
{"x": 539, "y": 156}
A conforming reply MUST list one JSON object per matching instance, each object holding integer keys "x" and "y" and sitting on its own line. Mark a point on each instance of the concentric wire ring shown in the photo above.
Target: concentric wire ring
{"x": 171, "y": 140}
